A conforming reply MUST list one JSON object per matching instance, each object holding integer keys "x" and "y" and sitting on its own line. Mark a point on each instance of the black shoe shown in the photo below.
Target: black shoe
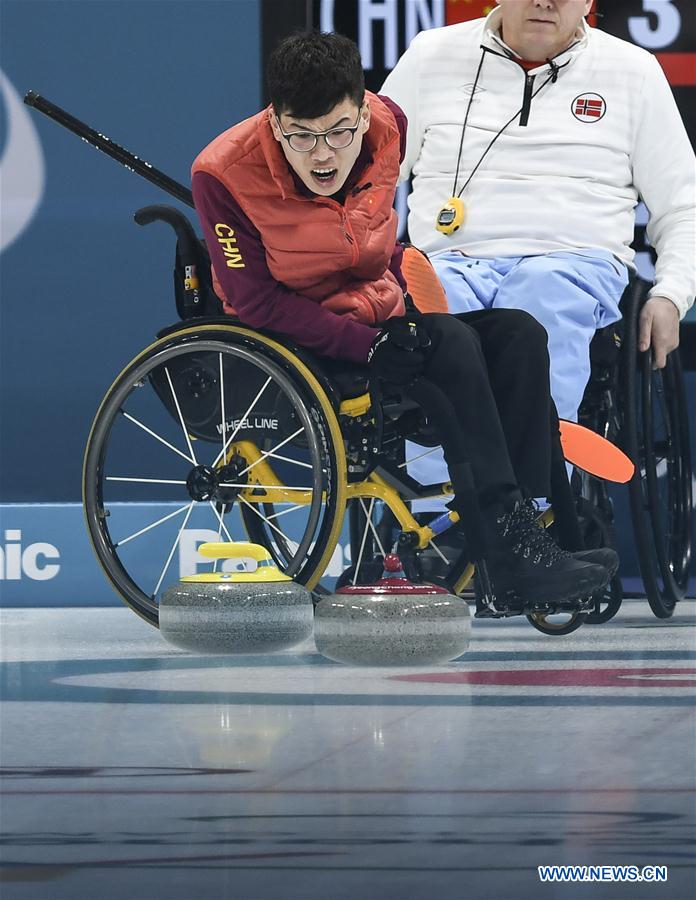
{"x": 528, "y": 569}
{"x": 600, "y": 556}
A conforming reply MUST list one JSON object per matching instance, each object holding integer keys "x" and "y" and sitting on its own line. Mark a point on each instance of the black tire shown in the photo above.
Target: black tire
{"x": 656, "y": 437}
{"x": 197, "y": 372}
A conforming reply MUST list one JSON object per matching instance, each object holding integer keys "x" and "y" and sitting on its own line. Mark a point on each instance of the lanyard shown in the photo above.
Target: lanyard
{"x": 452, "y": 214}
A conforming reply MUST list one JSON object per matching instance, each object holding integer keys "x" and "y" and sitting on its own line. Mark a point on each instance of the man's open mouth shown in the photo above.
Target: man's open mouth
{"x": 325, "y": 176}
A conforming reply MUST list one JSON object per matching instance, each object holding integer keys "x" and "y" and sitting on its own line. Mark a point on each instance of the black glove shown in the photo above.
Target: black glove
{"x": 398, "y": 353}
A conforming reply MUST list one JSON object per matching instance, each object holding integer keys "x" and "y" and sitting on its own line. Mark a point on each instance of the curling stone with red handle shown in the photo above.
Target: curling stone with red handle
{"x": 392, "y": 622}
{"x": 250, "y": 611}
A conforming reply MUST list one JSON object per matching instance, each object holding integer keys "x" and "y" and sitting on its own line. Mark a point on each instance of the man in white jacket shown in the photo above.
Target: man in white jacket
{"x": 531, "y": 137}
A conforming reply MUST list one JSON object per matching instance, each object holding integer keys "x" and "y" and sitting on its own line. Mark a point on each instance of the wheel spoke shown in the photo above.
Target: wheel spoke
{"x": 284, "y": 512}
{"x": 295, "y": 462}
{"x": 269, "y": 452}
{"x": 173, "y": 550}
{"x": 370, "y": 524}
{"x": 156, "y": 436}
{"x": 223, "y": 417}
{"x": 221, "y": 524}
{"x": 420, "y": 456}
{"x": 181, "y": 418}
{"x": 143, "y": 480}
{"x": 266, "y": 520}
{"x": 362, "y": 544}
{"x": 153, "y": 525}
{"x": 219, "y": 537}
{"x": 264, "y": 487}
{"x": 439, "y": 552}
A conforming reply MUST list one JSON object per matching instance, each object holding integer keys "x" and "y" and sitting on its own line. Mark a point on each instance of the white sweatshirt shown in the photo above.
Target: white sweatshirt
{"x": 567, "y": 180}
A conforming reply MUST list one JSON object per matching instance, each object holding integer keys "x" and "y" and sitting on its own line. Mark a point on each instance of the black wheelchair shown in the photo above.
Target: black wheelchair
{"x": 219, "y": 432}
{"x": 644, "y": 411}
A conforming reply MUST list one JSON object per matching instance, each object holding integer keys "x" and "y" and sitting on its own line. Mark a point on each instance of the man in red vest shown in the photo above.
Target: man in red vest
{"x": 296, "y": 205}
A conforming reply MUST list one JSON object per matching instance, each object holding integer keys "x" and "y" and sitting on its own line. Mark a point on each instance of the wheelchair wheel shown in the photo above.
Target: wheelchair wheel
{"x": 557, "y": 624}
{"x": 656, "y": 436}
{"x": 598, "y": 530}
{"x": 607, "y": 603}
{"x": 208, "y": 429}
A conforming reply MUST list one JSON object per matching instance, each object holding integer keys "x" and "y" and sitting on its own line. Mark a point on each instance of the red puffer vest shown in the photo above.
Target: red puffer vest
{"x": 336, "y": 254}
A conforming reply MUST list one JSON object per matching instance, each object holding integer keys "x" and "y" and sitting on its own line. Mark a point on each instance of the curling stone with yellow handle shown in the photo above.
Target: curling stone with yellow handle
{"x": 254, "y": 611}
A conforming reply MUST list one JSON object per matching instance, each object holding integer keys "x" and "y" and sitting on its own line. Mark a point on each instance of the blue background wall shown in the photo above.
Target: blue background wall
{"x": 84, "y": 288}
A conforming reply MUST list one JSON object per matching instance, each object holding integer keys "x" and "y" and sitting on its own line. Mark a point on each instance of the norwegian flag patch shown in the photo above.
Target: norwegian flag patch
{"x": 589, "y": 107}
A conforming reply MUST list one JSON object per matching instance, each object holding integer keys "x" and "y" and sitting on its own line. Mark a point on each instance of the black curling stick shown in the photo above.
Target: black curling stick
{"x": 106, "y": 145}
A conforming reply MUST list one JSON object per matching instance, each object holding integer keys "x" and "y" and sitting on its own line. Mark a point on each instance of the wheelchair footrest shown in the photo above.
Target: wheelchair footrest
{"x": 515, "y": 606}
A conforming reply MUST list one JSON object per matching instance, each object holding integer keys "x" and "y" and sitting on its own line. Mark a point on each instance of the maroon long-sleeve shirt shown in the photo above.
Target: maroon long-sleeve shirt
{"x": 258, "y": 298}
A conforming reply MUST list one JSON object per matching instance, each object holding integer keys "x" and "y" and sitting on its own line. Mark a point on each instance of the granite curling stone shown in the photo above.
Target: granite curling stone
{"x": 255, "y": 611}
{"x": 392, "y": 622}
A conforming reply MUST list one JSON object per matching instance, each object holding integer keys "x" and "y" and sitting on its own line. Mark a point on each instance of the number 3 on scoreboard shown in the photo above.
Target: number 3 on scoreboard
{"x": 668, "y": 25}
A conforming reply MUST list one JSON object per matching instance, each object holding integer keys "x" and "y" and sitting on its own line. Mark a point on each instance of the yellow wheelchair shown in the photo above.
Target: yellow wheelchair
{"x": 220, "y": 432}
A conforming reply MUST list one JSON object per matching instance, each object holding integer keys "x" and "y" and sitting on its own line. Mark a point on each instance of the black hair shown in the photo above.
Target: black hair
{"x": 310, "y": 73}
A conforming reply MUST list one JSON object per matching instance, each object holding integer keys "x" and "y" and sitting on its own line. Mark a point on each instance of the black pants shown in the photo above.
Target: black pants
{"x": 493, "y": 367}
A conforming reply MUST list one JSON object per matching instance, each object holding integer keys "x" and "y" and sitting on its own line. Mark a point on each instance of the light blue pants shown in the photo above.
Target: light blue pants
{"x": 570, "y": 294}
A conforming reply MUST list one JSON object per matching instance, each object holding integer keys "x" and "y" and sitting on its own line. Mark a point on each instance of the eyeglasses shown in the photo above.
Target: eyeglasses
{"x": 336, "y": 138}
